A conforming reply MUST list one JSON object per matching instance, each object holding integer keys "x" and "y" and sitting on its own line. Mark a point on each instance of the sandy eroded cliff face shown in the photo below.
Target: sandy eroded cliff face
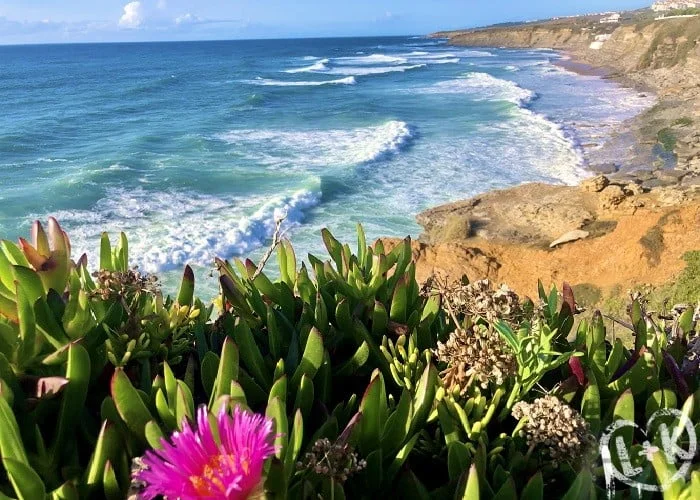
{"x": 537, "y": 37}
{"x": 631, "y": 47}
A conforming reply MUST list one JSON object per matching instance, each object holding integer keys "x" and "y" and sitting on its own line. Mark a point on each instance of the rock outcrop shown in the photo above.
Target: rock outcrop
{"x": 533, "y": 231}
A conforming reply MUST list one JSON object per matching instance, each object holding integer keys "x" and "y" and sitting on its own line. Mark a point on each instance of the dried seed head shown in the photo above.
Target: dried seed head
{"x": 337, "y": 461}
{"x": 479, "y": 352}
{"x": 691, "y": 361}
{"x": 479, "y": 298}
{"x": 116, "y": 284}
{"x": 137, "y": 487}
{"x": 560, "y": 429}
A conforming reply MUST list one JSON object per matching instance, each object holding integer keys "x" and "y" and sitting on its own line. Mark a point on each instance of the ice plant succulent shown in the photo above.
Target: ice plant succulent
{"x": 49, "y": 254}
{"x": 197, "y": 464}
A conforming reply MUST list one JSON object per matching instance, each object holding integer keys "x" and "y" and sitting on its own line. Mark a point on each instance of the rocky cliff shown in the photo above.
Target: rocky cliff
{"x": 537, "y": 36}
{"x": 603, "y": 237}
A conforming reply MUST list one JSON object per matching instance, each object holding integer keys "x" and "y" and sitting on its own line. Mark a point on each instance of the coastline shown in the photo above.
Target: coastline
{"x": 632, "y": 135}
{"x": 647, "y": 207}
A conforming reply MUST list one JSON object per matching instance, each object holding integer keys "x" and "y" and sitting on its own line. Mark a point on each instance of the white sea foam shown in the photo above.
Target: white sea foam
{"x": 474, "y": 53}
{"x": 372, "y": 70}
{"x": 280, "y": 83}
{"x": 371, "y": 59}
{"x": 317, "y": 66}
{"x": 422, "y": 57}
{"x": 118, "y": 167}
{"x": 570, "y": 163}
{"x": 453, "y": 60}
{"x": 170, "y": 229}
{"x": 249, "y": 233}
{"x": 322, "y": 148}
{"x": 426, "y": 44}
{"x": 51, "y": 160}
{"x": 428, "y": 55}
{"x": 483, "y": 86}
{"x": 565, "y": 160}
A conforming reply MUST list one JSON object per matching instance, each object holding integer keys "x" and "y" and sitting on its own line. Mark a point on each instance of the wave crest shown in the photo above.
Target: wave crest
{"x": 372, "y": 70}
{"x": 317, "y": 66}
{"x": 323, "y": 148}
{"x": 281, "y": 83}
{"x": 371, "y": 59}
{"x": 168, "y": 229}
{"x": 484, "y": 86}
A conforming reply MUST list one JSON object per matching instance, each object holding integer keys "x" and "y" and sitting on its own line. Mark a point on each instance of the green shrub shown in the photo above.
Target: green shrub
{"x": 375, "y": 385}
{"x": 690, "y": 11}
{"x": 683, "y": 122}
{"x": 667, "y": 139}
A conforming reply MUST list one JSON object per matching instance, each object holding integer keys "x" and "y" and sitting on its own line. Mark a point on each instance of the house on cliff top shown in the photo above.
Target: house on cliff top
{"x": 668, "y": 5}
{"x": 611, "y": 19}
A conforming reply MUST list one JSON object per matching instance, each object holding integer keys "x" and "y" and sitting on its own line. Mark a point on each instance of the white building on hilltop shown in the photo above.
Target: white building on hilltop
{"x": 611, "y": 19}
{"x": 666, "y": 5}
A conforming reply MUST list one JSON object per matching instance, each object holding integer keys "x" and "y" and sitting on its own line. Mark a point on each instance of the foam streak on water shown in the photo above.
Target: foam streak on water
{"x": 194, "y": 149}
{"x": 328, "y": 147}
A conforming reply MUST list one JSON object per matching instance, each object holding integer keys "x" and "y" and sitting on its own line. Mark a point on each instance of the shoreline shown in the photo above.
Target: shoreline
{"x": 647, "y": 208}
{"x": 641, "y": 151}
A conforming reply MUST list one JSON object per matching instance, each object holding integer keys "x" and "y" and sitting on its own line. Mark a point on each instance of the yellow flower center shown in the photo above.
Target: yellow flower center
{"x": 208, "y": 482}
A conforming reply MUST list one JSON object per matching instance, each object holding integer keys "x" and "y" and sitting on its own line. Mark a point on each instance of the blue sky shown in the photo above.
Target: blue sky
{"x": 51, "y": 21}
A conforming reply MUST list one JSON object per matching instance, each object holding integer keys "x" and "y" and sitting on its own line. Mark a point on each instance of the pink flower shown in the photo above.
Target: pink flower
{"x": 195, "y": 464}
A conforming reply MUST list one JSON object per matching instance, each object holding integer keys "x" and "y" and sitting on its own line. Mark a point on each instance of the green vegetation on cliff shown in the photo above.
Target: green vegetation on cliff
{"x": 372, "y": 385}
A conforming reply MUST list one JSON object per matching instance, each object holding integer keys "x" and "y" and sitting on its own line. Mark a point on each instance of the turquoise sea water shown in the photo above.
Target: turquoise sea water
{"x": 194, "y": 148}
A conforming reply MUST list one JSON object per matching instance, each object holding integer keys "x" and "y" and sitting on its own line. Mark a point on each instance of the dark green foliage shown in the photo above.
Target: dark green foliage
{"x": 94, "y": 370}
{"x": 667, "y": 139}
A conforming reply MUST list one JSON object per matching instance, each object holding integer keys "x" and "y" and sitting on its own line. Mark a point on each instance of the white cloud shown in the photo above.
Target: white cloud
{"x": 133, "y": 15}
{"x": 162, "y": 4}
{"x": 187, "y": 19}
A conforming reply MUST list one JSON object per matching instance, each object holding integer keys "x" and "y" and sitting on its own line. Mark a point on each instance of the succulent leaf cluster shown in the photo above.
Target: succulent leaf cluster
{"x": 375, "y": 385}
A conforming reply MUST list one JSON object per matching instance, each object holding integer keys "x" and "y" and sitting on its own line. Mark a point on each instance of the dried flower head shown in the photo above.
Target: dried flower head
{"x": 479, "y": 298}
{"x": 691, "y": 361}
{"x": 116, "y": 284}
{"x": 480, "y": 353}
{"x": 559, "y": 428}
{"x": 641, "y": 296}
{"x": 337, "y": 461}
{"x": 196, "y": 464}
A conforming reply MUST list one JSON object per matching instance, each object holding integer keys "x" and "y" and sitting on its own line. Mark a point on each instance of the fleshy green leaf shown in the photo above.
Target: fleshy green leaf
{"x": 457, "y": 459}
{"x": 228, "y": 370}
{"x": 11, "y": 445}
{"x": 470, "y": 490}
{"x": 534, "y": 489}
{"x": 129, "y": 404}
{"x": 26, "y": 482}
{"x": 276, "y": 411}
{"x": 250, "y": 354}
{"x": 311, "y": 359}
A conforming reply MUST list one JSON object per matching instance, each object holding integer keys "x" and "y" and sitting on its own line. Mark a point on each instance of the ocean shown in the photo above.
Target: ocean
{"x": 194, "y": 148}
